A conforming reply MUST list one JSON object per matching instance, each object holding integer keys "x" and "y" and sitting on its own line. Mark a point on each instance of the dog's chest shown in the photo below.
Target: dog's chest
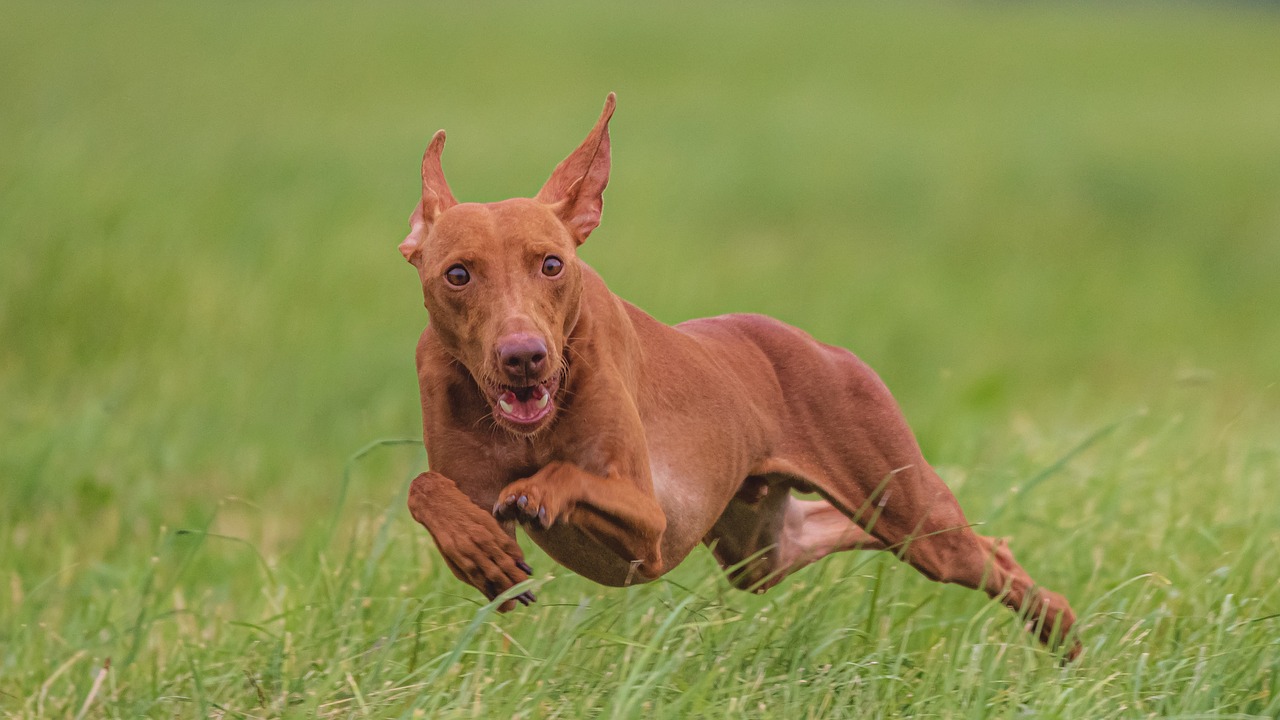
{"x": 585, "y": 555}
{"x": 691, "y": 498}
{"x": 516, "y": 458}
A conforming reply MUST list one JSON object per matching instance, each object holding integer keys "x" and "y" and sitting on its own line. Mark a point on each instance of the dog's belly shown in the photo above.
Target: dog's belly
{"x": 588, "y": 557}
{"x": 690, "y": 509}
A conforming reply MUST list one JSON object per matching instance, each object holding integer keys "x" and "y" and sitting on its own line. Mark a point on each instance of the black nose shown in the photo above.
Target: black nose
{"x": 523, "y": 356}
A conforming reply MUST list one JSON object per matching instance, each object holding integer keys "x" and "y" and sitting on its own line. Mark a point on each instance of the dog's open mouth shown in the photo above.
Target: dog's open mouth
{"x": 525, "y": 407}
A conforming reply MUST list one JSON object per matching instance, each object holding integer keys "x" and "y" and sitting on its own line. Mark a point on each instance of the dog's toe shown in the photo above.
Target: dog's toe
{"x": 504, "y": 507}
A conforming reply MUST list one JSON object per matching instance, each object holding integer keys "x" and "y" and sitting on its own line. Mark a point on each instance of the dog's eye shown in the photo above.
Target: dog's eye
{"x": 552, "y": 266}
{"x": 457, "y": 276}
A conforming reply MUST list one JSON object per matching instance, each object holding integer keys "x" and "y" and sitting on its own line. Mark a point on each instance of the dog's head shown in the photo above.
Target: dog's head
{"x": 502, "y": 280}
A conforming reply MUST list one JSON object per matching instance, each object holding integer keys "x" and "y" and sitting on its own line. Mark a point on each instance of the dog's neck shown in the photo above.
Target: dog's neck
{"x": 604, "y": 333}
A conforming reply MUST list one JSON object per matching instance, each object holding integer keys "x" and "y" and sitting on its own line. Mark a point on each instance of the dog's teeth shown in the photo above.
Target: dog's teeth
{"x": 507, "y": 407}
{"x": 542, "y": 401}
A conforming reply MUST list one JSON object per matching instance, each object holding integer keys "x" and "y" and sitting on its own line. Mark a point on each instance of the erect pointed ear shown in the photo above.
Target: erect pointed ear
{"x": 436, "y": 197}
{"x": 576, "y": 186}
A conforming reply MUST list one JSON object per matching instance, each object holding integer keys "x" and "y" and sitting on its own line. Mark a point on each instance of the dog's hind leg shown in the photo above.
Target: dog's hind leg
{"x": 816, "y": 528}
{"x": 765, "y": 534}
{"x": 913, "y": 514}
{"x": 858, "y": 452}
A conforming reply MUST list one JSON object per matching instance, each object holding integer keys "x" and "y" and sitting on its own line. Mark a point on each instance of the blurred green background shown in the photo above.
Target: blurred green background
{"x": 1039, "y": 209}
{"x": 1004, "y": 206}
{"x": 1032, "y": 220}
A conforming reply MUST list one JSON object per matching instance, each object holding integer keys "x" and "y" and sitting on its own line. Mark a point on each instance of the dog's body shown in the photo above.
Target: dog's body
{"x": 620, "y": 443}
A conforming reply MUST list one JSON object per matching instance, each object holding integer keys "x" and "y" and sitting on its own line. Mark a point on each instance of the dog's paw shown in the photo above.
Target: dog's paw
{"x": 534, "y": 500}
{"x": 477, "y": 550}
{"x": 491, "y": 564}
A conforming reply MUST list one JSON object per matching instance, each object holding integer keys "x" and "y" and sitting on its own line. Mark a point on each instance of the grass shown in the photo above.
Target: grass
{"x": 1053, "y": 229}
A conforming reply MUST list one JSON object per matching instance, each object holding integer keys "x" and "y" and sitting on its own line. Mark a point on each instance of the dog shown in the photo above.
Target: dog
{"x": 620, "y": 443}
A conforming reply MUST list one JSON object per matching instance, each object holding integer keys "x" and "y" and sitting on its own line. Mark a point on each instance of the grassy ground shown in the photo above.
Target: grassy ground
{"x": 1054, "y": 230}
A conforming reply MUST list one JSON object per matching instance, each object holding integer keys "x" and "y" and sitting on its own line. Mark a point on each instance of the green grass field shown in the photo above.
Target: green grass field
{"x": 1054, "y": 229}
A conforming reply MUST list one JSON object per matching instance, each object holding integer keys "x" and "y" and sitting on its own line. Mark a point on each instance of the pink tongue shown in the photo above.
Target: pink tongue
{"x": 522, "y": 409}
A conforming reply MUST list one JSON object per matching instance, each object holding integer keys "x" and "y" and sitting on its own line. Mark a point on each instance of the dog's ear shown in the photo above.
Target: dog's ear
{"x": 577, "y": 184}
{"x": 436, "y": 196}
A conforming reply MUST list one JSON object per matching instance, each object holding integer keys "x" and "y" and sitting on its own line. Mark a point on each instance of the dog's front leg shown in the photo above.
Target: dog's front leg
{"x": 610, "y": 508}
{"x": 475, "y": 547}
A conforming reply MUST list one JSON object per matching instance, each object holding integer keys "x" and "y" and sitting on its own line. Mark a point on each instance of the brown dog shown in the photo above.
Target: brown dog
{"x": 620, "y": 443}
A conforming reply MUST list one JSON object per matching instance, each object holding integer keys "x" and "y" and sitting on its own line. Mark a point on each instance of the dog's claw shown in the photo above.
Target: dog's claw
{"x": 524, "y": 566}
{"x": 526, "y": 598}
{"x": 523, "y": 501}
{"x": 542, "y": 517}
{"x": 503, "y": 505}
